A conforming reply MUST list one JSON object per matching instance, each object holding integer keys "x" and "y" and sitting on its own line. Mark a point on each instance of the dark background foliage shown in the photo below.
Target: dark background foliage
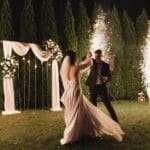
{"x": 69, "y": 22}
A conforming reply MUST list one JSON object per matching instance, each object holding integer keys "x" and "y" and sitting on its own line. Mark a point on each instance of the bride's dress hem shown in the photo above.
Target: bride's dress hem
{"x": 83, "y": 118}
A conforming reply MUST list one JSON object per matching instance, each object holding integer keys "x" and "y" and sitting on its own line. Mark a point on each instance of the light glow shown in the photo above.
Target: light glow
{"x": 100, "y": 38}
{"x": 145, "y": 66}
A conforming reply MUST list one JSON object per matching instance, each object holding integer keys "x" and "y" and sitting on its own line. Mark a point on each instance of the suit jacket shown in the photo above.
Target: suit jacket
{"x": 105, "y": 71}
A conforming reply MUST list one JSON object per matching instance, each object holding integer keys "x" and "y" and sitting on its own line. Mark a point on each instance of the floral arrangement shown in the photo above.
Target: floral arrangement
{"x": 9, "y": 67}
{"x": 54, "y": 49}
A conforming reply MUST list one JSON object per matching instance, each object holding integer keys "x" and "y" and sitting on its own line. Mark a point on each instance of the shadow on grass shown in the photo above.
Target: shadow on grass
{"x": 92, "y": 144}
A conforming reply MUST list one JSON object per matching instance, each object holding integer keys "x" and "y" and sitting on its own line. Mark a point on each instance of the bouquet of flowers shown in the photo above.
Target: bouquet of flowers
{"x": 54, "y": 49}
{"x": 8, "y": 67}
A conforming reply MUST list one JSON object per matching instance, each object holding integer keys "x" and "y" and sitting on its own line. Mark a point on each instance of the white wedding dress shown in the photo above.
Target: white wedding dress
{"x": 82, "y": 118}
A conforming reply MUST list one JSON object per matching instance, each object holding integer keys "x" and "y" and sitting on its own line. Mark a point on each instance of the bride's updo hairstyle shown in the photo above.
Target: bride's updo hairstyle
{"x": 72, "y": 56}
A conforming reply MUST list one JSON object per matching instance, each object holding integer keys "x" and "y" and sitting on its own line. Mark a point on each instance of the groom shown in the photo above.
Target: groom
{"x": 98, "y": 77}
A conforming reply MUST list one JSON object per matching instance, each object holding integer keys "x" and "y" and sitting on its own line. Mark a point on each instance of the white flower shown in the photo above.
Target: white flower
{"x": 9, "y": 66}
{"x": 14, "y": 70}
{"x": 5, "y": 68}
{"x": 17, "y": 64}
{"x": 8, "y": 63}
{"x": 54, "y": 49}
{"x": 7, "y": 76}
{"x": 2, "y": 63}
{"x": 12, "y": 61}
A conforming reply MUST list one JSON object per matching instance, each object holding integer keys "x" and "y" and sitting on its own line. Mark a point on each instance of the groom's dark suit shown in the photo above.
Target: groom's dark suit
{"x": 100, "y": 89}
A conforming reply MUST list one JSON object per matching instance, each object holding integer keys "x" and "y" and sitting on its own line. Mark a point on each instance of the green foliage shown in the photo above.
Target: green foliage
{"x": 47, "y": 21}
{"x": 141, "y": 30}
{"x": 82, "y": 31}
{"x": 142, "y": 27}
{"x": 117, "y": 83}
{"x": 6, "y": 27}
{"x": 126, "y": 44}
{"x": 96, "y": 11}
{"x": 85, "y": 88}
{"x": 130, "y": 77}
{"x": 48, "y": 30}
{"x": 6, "y": 33}
{"x": 31, "y": 77}
{"x": 130, "y": 36}
{"x": 68, "y": 38}
{"x": 27, "y": 26}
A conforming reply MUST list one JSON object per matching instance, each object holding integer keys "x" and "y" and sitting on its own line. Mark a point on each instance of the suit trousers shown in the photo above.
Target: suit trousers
{"x": 102, "y": 91}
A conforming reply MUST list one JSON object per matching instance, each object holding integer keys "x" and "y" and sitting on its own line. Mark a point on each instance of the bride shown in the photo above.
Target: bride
{"x": 82, "y": 118}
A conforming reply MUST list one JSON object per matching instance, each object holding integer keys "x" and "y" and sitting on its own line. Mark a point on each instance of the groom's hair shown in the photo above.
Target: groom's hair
{"x": 98, "y": 51}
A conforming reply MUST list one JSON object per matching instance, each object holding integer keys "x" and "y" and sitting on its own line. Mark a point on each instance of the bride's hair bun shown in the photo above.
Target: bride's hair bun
{"x": 72, "y": 56}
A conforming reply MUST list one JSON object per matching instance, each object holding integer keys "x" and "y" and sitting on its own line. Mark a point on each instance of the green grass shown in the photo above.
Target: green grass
{"x": 42, "y": 130}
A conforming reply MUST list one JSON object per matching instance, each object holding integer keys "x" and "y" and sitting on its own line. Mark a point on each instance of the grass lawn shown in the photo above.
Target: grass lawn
{"x": 42, "y": 130}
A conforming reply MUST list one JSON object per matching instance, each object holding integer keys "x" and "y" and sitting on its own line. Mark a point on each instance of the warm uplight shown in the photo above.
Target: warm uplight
{"x": 145, "y": 67}
{"x": 99, "y": 37}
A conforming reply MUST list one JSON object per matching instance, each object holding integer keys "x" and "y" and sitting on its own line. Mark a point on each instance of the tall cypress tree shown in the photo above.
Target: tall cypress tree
{"x": 6, "y": 27}
{"x": 47, "y": 21}
{"x": 31, "y": 76}
{"x": 141, "y": 30}
{"x": 48, "y": 30}
{"x": 129, "y": 37}
{"x": 68, "y": 38}
{"x": 6, "y": 33}
{"x": 27, "y": 25}
{"x": 117, "y": 83}
{"x": 141, "y": 27}
{"x": 96, "y": 11}
{"x": 90, "y": 7}
{"x": 82, "y": 30}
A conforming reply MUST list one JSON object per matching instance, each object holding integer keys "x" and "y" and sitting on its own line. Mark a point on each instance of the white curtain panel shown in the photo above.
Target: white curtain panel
{"x": 22, "y": 49}
{"x": 55, "y": 87}
{"x": 9, "y": 103}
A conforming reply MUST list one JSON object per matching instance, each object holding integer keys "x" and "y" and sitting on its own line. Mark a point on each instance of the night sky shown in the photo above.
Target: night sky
{"x": 133, "y": 7}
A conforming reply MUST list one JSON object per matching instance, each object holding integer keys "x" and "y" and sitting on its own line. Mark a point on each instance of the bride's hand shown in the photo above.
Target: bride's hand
{"x": 89, "y": 55}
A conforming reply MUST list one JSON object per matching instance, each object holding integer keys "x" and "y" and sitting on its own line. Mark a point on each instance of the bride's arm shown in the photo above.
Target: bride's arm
{"x": 87, "y": 62}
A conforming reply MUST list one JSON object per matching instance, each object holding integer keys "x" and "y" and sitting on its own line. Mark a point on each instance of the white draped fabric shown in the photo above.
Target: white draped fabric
{"x": 55, "y": 89}
{"x": 9, "y": 102}
{"x": 21, "y": 50}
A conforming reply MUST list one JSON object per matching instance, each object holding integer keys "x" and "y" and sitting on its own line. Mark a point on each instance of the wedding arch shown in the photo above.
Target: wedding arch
{"x": 22, "y": 49}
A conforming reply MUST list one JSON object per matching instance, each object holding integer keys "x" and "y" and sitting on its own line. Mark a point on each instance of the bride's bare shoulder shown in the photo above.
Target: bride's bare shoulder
{"x": 74, "y": 67}
{"x": 73, "y": 71}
